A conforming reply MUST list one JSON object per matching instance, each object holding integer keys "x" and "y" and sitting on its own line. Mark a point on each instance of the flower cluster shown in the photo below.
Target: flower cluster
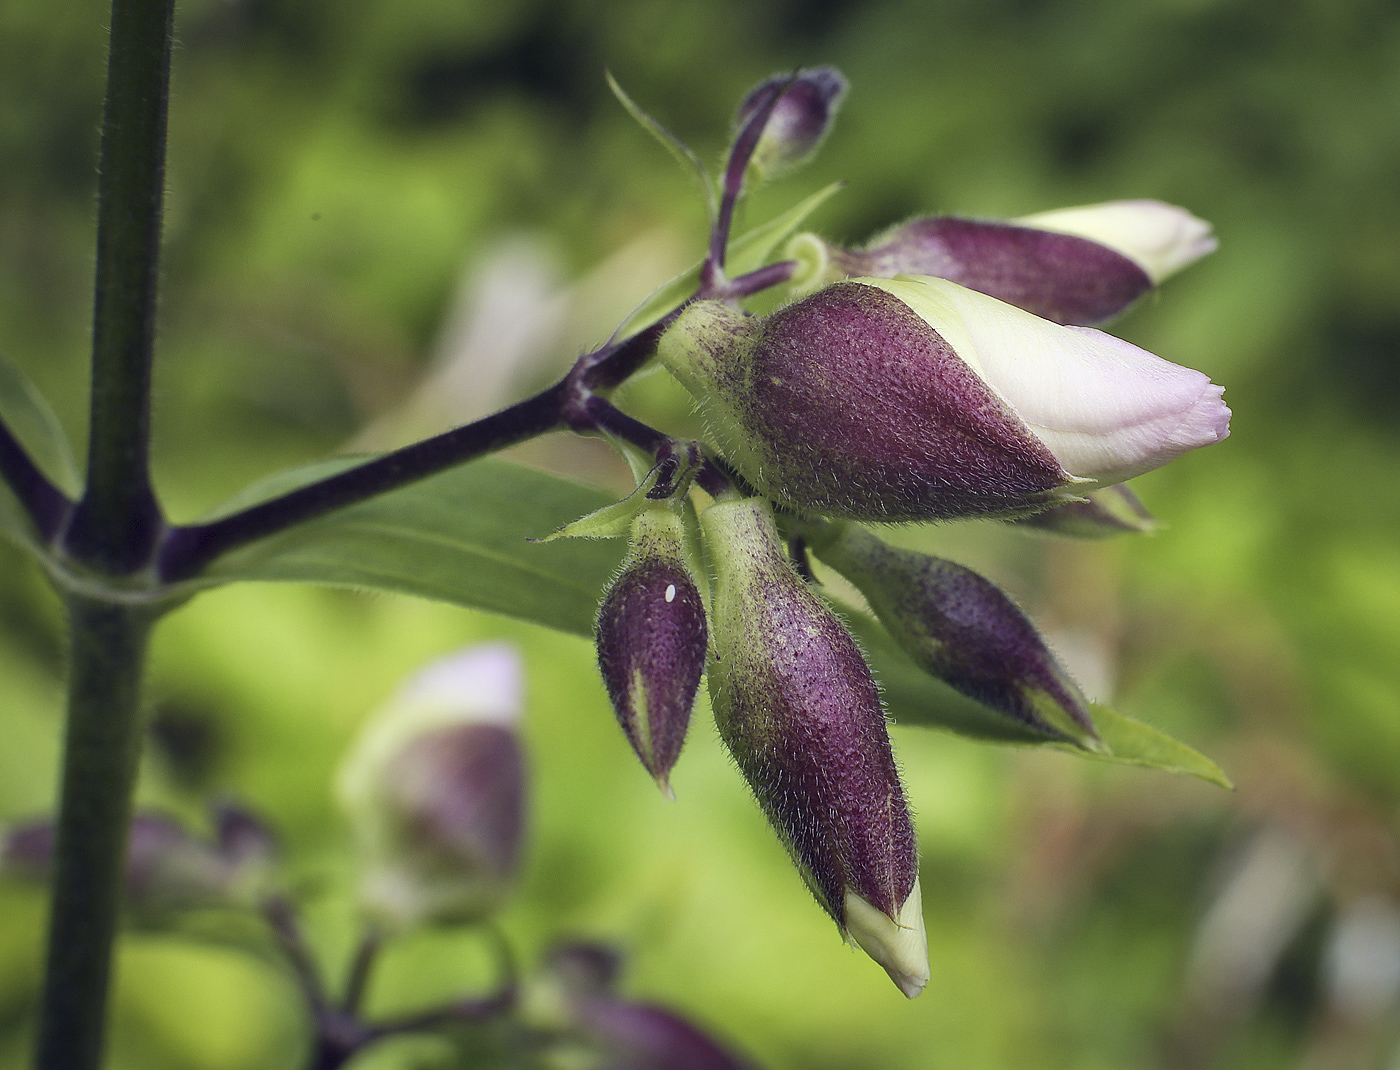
{"x": 951, "y": 369}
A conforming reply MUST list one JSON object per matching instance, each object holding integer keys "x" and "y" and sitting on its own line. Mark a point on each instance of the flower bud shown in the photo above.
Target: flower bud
{"x": 651, "y": 641}
{"x": 1161, "y": 237}
{"x": 918, "y": 399}
{"x": 963, "y": 629}
{"x": 799, "y": 120}
{"x": 435, "y": 790}
{"x": 1114, "y": 510}
{"x": 168, "y": 869}
{"x": 1077, "y": 266}
{"x": 799, "y": 711}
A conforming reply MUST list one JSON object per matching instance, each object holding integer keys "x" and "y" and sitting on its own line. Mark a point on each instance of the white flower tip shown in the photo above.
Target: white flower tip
{"x": 481, "y": 683}
{"x": 1160, "y": 237}
{"x": 900, "y": 944}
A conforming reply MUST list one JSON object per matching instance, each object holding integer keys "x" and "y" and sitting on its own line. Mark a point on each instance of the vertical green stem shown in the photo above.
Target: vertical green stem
{"x": 116, "y": 523}
{"x": 102, "y": 751}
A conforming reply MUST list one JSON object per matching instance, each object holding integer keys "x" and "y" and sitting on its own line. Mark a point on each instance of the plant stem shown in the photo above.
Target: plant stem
{"x": 101, "y": 755}
{"x": 116, "y": 523}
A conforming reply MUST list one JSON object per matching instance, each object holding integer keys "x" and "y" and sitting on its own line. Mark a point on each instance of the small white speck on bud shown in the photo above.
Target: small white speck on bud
{"x": 670, "y": 592}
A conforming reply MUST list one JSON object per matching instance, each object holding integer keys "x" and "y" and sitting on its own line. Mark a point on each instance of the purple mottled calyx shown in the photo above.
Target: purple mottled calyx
{"x": 848, "y": 403}
{"x": 800, "y": 119}
{"x": 652, "y": 638}
{"x": 962, "y": 628}
{"x": 1060, "y": 277}
{"x": 799, "y": 711}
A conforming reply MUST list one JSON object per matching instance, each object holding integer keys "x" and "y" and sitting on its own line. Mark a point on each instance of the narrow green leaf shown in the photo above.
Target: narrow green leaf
{"x": 30, "y": 419}
{"x": 915, "y": 698}
{"x": 28, "y": 415}
{"x": 461, "y": 536}
{"x": 746, "y": 253}
{"x": 683, "y": 153}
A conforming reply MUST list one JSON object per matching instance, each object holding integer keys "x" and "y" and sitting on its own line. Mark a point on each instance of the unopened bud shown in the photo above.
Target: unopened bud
{"x": 435, "y": 789}
{"x": 962, "y": 628}
{"x": 1161, "y": 237}
{"x": 652, "y": 639}
{"x": 1114, "y": 510}
{"x": 918, "y": 399}
{"x": 799, "y": 121}
{"x": 799, "y": 711}
{"x": 1061, "y": 277}
{"x": 168, "y": 869}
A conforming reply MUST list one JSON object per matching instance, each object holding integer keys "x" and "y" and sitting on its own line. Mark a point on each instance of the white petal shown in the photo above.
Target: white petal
{"x": 1106, "y": 409}
{"x": 1161, "y": 237}
{"x": 899, "y": 945}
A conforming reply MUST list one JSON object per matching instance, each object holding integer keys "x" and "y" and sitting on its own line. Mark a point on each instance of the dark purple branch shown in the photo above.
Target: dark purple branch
{"x": 46, "y": 505}
{"x": 282, "y": 920}
{"x": 188, "y": 549}
{"x": 360, "y": 969}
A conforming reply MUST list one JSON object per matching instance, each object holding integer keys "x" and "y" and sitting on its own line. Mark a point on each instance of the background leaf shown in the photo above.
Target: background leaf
{"x": 460, "y": 537}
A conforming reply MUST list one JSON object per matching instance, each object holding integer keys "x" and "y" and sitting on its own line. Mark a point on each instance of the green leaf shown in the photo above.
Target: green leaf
{"x": 28, "y": 415}
{"x": 683, "y": 153}
{"x": 461, "y": 536}
{"x": 33, "y": 423}
{"x": 915, "y": 698}
{"x": 747, "y": 253}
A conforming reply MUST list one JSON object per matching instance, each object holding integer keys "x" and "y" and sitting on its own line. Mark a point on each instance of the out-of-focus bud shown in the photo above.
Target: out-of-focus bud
{"x": 918, "y": 399}
{"x": 799, "y": 711}
{"x": 621, "y": 1034}
{"x": 1161, "y": 237}
{"x": 652, "y": 640}
{"x": 799, "y": 121}
{"x": 1114, "y": 510}
{"x": 962, "y": 628}
{"x": 1077, "y": 266}
{"x": 167, "y": 868}
{"x": 435, "y": 790}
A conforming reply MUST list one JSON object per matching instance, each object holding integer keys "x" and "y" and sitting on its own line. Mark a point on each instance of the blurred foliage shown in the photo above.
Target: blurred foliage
{"x": 338, "y": 170}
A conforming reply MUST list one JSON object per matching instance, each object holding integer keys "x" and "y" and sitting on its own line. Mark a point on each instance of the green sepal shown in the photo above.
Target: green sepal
{"x": 682, "y": 152}
{"x": 746, "y": 253}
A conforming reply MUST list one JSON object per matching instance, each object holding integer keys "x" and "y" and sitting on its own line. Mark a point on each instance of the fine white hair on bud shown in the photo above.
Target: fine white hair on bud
{"x": 898, "y": 944}
{"x": 1159, "y": 236}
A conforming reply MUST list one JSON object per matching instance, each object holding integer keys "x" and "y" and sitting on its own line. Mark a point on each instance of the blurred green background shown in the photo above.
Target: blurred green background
{"x": 385, "y": 217}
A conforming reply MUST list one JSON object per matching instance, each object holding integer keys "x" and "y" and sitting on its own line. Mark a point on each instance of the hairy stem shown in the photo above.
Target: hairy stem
{"x": 101, "y": 754}
{"x": 116, "y": 524}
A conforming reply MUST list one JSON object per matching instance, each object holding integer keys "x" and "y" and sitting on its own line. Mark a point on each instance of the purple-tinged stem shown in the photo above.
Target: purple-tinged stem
{"x": 46, "y": 505}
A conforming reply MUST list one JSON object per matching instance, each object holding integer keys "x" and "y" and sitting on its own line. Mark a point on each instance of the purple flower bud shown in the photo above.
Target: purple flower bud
{"x": 1074, "y": 266}
{"x": 962, "y": 628}
{"x": 797, "y": 707}
{"x": 800, "y": 119}
{"x": 435, "y": 788}
{"x": 651, "y": 641}
{"x": 643, "y": 1036}
{"x": 167, "y": 868}
{"x": 1114, "y": 510}
{"x": 918, "y": 399}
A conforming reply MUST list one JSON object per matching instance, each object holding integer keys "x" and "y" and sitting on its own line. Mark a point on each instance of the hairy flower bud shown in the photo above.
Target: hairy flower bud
{"x": 1074, "y": 266}
{"x": 799, "y": 711}
{"x": 435, "y": 789}
{"x": 918, "y": 399}
{"x": 962, "y": 628}
{"x": 799, "y": 121}
{"x": 1114, "y": 510}
{"x": 1161, "y": 237}
{"x": 651, "y": 641}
